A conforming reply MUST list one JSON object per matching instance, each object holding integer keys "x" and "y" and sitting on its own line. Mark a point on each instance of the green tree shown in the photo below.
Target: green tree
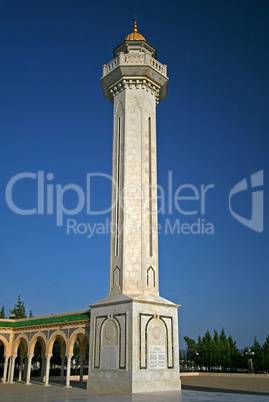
{"x": 225, "y": 360}
{"x": 216, "y": 349}
{"x": 214, "y": 353}
{"x": 191, "y": 344}
{"x": 199, "y": 355}
{"x": 30, "y": 314}
{"x": 235, "y": 356}
{"x": 19, "y": 309}
{"x": 258, "y": 357}
{"x": 2, "y": 312}
{"x": 191, "y": 351}
{"x": 207, "y": 347}
{"x": 265, "y": 349}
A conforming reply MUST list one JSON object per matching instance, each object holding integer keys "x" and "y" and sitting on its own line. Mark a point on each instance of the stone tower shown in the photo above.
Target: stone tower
{"x": 134, "y": 331}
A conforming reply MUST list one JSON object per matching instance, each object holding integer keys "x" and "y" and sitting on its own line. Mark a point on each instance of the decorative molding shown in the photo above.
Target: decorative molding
{"x": 169, "y": 332}
{"x": 121, "y": 320}
{"x": 136, "y": 83}
{"x": 97, "y": 340}
{"x": 52, "y": 325}
{"x": 143, "y": 364}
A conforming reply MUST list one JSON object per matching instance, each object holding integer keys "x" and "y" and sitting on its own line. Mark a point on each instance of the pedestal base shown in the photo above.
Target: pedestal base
{"x": 134, "y": 345}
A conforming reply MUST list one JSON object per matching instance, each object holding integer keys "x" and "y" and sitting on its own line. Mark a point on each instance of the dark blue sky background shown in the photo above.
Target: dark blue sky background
{"x": 212, "y": 129}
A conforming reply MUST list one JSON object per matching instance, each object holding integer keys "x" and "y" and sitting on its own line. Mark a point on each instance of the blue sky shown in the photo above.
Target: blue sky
{"x": 212, "y": 129}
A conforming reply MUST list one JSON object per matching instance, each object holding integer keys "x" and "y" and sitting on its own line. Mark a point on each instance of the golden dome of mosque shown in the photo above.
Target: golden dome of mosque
{"x": 135, "y": 35}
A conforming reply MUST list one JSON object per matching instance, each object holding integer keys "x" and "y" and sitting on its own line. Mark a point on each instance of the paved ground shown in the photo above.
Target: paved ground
{"x": 244, "y": 383}
{"x": 57, "y": 393}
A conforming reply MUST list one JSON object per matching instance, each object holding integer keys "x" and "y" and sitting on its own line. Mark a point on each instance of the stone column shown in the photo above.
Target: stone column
{"x": 12, "y": 367}
{"x": 21, "y": 367}
{"x": 25, "y": 369}
{"x": 81, "y": 367}
{"x": 69, "y": 357}
{"x": 43, "y": 368}
{"x": 47, "y": 373}
{"x": 62, "y": 369}
{"x": 5, "y": 369}
{"x": 29, "y": 367}
{"x": 9, "y": 370}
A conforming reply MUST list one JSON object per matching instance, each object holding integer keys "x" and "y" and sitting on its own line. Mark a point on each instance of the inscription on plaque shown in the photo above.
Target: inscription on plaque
{"x": 109, "y": 357}
{"x": 156, "y": 357}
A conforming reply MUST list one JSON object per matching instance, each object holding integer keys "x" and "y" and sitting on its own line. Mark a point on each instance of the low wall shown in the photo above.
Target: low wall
{"x": 236, "y": 375}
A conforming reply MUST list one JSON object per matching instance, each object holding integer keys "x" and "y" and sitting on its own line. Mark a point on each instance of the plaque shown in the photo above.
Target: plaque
{"x": 157, "y": 358}
{"x": 109, "y": 358}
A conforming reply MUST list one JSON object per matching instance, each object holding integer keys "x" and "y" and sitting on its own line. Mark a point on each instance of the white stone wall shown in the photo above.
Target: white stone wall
{"x": 134, "y": 193}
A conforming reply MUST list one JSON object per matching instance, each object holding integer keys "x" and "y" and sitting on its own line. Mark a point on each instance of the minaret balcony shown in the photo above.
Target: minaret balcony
{"x": 135, "y": 59}
{"x": 133, "y": 65}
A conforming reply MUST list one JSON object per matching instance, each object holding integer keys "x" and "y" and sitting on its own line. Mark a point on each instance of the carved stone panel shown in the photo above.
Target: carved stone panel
{"x": 156, "y": 342}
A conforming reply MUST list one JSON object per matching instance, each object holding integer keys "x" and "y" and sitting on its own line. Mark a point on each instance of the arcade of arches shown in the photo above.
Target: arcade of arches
{"x": 43, "y": 342}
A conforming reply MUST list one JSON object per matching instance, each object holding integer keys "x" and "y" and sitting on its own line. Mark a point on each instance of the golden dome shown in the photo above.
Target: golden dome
{"x": 135, "y": 35}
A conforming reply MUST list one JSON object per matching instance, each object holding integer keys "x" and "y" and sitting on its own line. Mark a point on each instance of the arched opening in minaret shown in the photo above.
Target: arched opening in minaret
{"x": 151, "y": 277}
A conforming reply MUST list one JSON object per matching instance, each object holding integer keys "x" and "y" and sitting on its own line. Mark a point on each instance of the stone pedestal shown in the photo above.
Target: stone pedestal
{"x": 134, "y": 345}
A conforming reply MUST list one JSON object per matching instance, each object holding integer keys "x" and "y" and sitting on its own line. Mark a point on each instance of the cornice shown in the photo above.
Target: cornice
{"x": 136, "y": 83}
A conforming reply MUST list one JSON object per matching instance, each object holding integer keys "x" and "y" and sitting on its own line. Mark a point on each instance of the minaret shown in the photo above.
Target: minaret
{"x": 134, "y": 82}
{"x": 134, "y": 331}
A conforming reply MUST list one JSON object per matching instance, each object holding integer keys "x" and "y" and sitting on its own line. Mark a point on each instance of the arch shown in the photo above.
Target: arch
{"x": 5, "y": 344}
{"x": 22, "y": 339}
{"x": 134, "y": 103}
{"x": 156, "y": 348}
{"x": 110, "y": 331}
{"x": 82, "y": 336}
{"x": 41, "y": 338}
{"x": 110, "y": 341}
{"x": 158, "y": 322}
{"x": 61, "y": 338}
{"x": 151, "y": 277}
{"x": 149, "y": 107}
{"x": 117, "y": 278}
{"x": 119, "y": 108}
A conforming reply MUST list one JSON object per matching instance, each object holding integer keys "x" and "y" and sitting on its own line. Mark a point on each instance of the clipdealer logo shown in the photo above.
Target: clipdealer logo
{"x": 257, "y": 200}
{"x": 51, "y": 200}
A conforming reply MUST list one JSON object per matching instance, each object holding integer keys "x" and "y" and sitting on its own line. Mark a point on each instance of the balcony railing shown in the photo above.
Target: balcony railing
{"x": 135, "y": 59}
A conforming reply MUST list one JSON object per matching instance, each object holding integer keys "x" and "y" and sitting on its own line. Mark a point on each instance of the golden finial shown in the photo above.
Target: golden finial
{"x": 135, "y": 35}
{"x": 135, "y": 26}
